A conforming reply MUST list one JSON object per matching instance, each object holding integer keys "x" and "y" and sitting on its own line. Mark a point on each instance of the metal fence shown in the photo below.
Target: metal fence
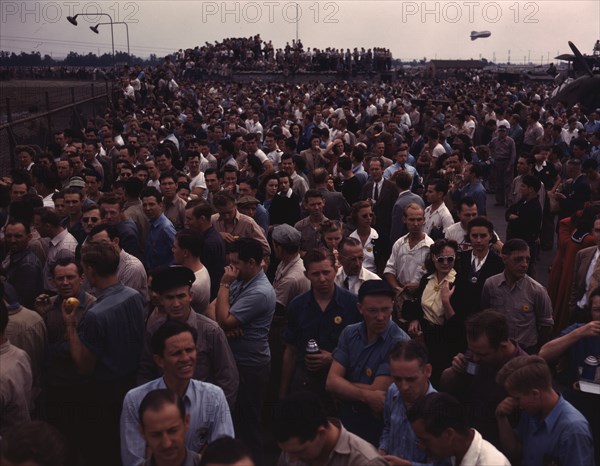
{"x": 32, "y": 114}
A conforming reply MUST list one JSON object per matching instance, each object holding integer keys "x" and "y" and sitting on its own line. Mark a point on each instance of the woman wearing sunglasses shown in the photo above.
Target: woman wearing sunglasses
{"x": 433, "y": 312}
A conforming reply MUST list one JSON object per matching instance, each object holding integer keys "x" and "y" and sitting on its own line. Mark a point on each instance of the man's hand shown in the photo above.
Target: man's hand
{"x": 506, "y": 407}
{"x": 42, "y": 305}
{"x": 70, "y": 318}
{"x": 414, "y": 328}
{"x": 319, "y": 361}
{"x": 591, "y": 329}
{"x": 395, "y": 461}
{"x": 234, "y": 333}
{"x": 411, "y": 287}
{"x": 230, "y": 275}
{"x": 459, "y": 363}
{"x": 376, "y": 400}
{"x": 228, "y": 237}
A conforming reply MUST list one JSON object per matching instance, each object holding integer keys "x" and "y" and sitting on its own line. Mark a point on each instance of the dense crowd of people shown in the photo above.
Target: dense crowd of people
{"x": 208, "y": 262}
{"x": 255, "y": 54}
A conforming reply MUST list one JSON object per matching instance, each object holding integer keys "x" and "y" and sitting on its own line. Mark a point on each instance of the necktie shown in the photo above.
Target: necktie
{"x": 376, "y": 192}
{"x": 347, "y": 282}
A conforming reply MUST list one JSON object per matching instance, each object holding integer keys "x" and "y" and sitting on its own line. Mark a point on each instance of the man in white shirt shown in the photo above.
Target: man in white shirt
{"x": 406, "y": 264}
{"x": 351, "y": 275}
{"x": 274, "y": 154}
{"x": 437, "y": 216}
{"x": 441, "y": 425}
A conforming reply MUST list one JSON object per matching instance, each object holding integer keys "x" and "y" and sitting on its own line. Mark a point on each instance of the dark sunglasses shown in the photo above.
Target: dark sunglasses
{"x": 89, "y": 219}
{"x": 444, "y": 259}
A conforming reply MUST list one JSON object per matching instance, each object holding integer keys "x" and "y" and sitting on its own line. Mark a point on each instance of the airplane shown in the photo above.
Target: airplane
{"x": 585, "y": 90}
{"x": 480, "y": 34}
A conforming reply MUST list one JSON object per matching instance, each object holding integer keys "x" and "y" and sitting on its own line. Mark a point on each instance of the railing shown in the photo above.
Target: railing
{"x": 66, "y": 106}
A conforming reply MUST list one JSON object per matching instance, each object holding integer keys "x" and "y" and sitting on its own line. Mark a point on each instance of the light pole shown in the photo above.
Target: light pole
{"x": 73, "y": 21}
{"x": 95, "y": 29}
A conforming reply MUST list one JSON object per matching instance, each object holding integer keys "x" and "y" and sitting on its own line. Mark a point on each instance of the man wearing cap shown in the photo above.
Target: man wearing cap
{"x": 504, "y": 153}
{"x": 249, "y": 205}
{"x": 351, "y": 275}
{"x": 290, "y": 279}
{"x": 360, "y": 371}
{"x": 214, "y": 360}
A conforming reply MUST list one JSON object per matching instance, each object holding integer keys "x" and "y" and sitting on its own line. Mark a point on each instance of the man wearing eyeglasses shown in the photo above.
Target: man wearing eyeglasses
{"x": 360, "y": 371}
{"x": 351, "y": 275}
{"x": 523, "y": 301}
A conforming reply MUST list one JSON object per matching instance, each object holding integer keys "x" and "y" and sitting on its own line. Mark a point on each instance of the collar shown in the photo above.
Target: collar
{"x": 362, "y": 329}
{"x": 552, "y": 418}
{"x": 5, "y": 347}
{"x": 448, "y": 278}
{"x": 60, "y": 237}
{"x": 407, "y": 191}
{"x": 517, "y": 284}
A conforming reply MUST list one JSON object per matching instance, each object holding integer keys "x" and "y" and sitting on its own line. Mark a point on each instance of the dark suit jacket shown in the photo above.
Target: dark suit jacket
{"x": 578, "y": 193}
{"x": 336, "y": 206}
{"x": 384, "y": 205}
{"x": 583, "y": 260}
{"x": 469, "y": 293}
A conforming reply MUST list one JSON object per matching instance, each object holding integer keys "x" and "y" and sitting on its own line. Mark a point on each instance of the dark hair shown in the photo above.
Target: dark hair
{"x": 525, "y": 373}
{"x": 318, "y": 255}
{"x": 64, "y": 262}
{"x": 436, "y": 248}
{"x": 481, "y": 222}
{"x": 299, "y": 415}
{"x": 190, "y": 240}
{"x": 151, "y": 191}
{"x": 439, "y": 412}
{"x": 48, "y": 215}
{"x": 345, "y": 163}
{"x": 111, "y": 230}
{"x": 348, "y": 241}
{"x": 201, "y": 208}
{"x": 26, "y": 225}
{"x": 225, "y": 450}
{"x": 169, "y": 329}
{"x": 532, "y": 182}
{"x": 513, "y": 245}
{"x": 156, "y": 399}
{"x": 490, "y": 323}
{"x": 133, "y": 187}
{"x": 247, "y": 249}
{"x": 312, "y": 193}
{"x": 440, "y": 186}
{"x": 35, "y": 441}
{"x": 110, "y": 198}
{"x": 103, "y": 260}
{"x": 409, "y": 351}
{"x": 467, "y": 200}
{"x": 357, "y": 207}
{"x": 404, "y": 180}
{"x": 223, "y": 198}
{"x": 476, "y": 169}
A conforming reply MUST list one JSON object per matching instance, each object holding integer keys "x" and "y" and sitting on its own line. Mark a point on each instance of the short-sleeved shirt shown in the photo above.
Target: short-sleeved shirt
{"x": 562, "y": 437}
{"x": 406, "y": 264}
{"x": 307, "y": 321}
{"x": 311, "y": 236}
{"x": 349, "y": 450}
{"x": 253, "y": 304}
{"x": 364, "y": 360}
{"x": 577, "y": 353}
{"x": 526, "y": 306}
{"x": 113, "y": 329}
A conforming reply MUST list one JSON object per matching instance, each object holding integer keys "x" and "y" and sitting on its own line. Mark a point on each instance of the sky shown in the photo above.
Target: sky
{"x": 521, "y": 31}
